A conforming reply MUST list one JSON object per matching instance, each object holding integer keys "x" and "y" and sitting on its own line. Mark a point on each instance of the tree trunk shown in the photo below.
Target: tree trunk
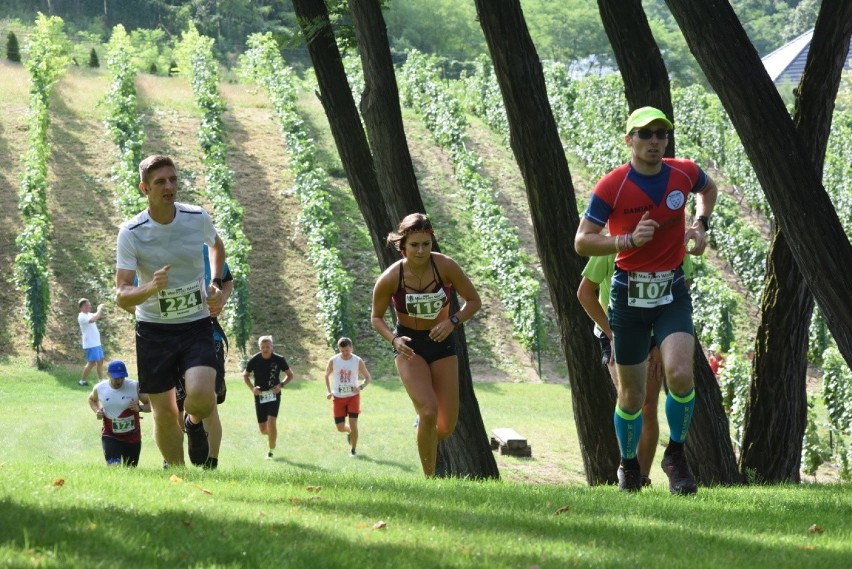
{"x": 776, "y": 415}
{"x": 643, "y": 71}
{"x": 466, "y": 453}
{"x": 708, "y": 442}
{"x": 346, "y": 128}
{"x": 382, "y": 114}
{"x": 780, "y": 158}
{"x": 550, "y": 192}
{"x": 709, "y": 449}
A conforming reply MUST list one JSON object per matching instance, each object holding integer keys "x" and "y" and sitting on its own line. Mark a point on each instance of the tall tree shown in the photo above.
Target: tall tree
{"x": 646, "y": 82}
{"x": 776, "y": 414}
{"x": 386, "y": 183}
{"x": 643, "y": 71}
{"x": 346, "y": 129}
{"x": 789, "y": 178}
{"x": 535, "y": 143}
{"x": 381, "y": 111}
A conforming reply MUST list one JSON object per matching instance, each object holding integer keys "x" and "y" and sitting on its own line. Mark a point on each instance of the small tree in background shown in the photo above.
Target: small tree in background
{"x": 13, "y": 50}
{"x": 93, "y": 59}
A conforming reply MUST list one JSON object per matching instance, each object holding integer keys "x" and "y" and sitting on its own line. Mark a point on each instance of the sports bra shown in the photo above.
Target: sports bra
{"x": 422, "y": 303}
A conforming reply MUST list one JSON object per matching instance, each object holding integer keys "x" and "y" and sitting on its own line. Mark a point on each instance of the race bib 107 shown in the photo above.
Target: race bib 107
{"x": 648, "y": 290}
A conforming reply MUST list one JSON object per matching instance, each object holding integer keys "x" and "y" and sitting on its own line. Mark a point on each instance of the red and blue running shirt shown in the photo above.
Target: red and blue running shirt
{"x": 623, "y": 195}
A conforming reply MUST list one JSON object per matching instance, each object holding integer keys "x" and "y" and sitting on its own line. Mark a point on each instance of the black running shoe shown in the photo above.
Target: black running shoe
{"x": 196, "y": 441}
{"x": 676, "y": 468}
{"x": 629, "y": 480}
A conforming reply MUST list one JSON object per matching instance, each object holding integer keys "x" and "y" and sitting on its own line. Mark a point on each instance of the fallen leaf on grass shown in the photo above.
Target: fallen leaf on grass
{"x": 380, "y": 525}
{"x": 203, "y": 490}
{"x": 562, "y": 510}
{"x": 187, "y": 523}
{"x": 816, "y": 529}
{"x": 807, "y": 547}
{"x": 175, "y": 479}
{"x": 58, "y": 482}
{"x": 92, "y": 526}
{"x": 295, "y": 501}
{"x": 313, "y": 488}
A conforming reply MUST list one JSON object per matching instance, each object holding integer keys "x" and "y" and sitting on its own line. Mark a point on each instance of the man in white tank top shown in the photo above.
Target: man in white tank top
{"x": 341, "y": 381}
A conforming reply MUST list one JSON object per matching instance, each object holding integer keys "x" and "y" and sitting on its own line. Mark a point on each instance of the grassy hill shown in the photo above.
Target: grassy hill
{"x": 282, "y": 283}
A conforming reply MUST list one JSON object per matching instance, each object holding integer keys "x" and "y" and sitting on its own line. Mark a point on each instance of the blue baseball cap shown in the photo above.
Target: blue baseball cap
{"x": 116, "y": 368}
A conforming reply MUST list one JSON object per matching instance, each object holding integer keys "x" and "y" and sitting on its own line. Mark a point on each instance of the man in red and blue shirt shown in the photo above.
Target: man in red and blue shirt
{"x": 643, "y": 205}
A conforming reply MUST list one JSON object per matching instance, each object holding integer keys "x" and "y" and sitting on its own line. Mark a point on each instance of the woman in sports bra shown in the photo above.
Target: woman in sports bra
{"x": 419, "y": 287}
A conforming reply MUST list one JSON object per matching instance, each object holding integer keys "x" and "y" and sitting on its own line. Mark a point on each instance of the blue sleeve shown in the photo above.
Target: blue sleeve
{"x": 701, "y": 182}
{"x": 598, "y": 211}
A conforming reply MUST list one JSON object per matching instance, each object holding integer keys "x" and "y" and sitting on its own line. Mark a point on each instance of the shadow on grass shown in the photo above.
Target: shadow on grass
{"x": 599, "y": 527}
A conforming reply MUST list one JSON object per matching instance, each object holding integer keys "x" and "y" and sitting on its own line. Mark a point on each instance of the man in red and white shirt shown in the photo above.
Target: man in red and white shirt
{"x": 341, "y": 381}
{"x": 117, "y": 402}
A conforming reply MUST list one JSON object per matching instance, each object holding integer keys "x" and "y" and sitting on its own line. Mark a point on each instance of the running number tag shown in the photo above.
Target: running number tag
{"x": 124, "y": 425}
{"x": 346, "y": 389}
{"x": 425, "y": 305}
{"x": 267, "y": 396}
{"x": 181, "y": 301}
{"x": 647, "y": 290}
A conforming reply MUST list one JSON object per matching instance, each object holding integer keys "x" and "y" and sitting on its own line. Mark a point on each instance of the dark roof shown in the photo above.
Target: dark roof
{"x": 787, "y": 63}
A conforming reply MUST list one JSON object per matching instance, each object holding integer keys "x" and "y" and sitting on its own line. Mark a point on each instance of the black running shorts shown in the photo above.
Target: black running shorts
{"x": 425, "y": 347}
{"x": 121, "y": 452}
{"x": 266, "y": 410}
{"x": 165, "y": 351}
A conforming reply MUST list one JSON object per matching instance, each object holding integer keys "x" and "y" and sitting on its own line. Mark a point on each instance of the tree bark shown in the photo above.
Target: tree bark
{"x": 382, "y": 114}
{"x": 643, "y": 71}
{"x": 776, "y": 415}
{"x": 535, "y": 142}
{"x": 708, "y": 442}
{"x": 346, "y": 128}
{"x": 646, "y": 81}
{"x": 780, "y": 158}
{"x": 467, "y": 452}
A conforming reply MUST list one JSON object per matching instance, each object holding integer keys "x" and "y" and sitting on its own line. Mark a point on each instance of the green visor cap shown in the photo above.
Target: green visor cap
{"x": 644, "y": 116}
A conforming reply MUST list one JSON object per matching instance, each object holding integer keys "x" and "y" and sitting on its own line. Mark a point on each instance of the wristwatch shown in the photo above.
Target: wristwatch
{"x": 218, "y": 282}
{"x": 705, "y": 221}
{"x": 455, "y": 320}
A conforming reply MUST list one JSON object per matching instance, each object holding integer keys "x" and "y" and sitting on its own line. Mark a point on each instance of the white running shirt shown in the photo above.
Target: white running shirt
{"x": 146, "y": 246}
{"x": 344, "y": 376}
{"x": 89, "y": 330}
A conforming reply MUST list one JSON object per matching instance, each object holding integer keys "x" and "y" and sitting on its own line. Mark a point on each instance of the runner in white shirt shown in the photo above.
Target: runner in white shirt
{"x": 174, "y": 333}
{"x": 341, "y": 381}
{"x": 117, "y": 402}
{"x": 91, "y": 339}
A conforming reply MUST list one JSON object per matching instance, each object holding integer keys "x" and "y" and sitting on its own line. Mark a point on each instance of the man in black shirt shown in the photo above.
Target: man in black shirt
{"x": 267, "y": 367}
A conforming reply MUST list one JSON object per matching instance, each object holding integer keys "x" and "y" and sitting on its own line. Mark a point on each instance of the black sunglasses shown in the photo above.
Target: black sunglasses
{"x": 647, "y": 133}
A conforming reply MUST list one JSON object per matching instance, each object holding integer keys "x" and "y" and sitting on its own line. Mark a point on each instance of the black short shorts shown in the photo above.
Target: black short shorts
{"x": 120, "y": 452}
{"x": 165, "y": 351}
{"x": 425, "y": 347}
{"x": 266, "y": 410}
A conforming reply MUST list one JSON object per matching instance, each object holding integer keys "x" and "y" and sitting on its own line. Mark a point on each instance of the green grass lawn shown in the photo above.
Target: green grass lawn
{"x": 313, "y": 506}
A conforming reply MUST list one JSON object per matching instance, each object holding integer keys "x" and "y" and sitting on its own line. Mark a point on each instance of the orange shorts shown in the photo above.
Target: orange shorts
{"x": 344, "y": 406}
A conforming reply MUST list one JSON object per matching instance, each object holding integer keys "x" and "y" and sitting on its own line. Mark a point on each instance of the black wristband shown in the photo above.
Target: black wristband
{"x": 705, "y": 221}
{"x": 218, "y": 282}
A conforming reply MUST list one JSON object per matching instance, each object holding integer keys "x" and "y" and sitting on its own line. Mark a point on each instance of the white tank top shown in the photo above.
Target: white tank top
{"x": 344, "y": 376}
{"x": 115, "y": 401}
